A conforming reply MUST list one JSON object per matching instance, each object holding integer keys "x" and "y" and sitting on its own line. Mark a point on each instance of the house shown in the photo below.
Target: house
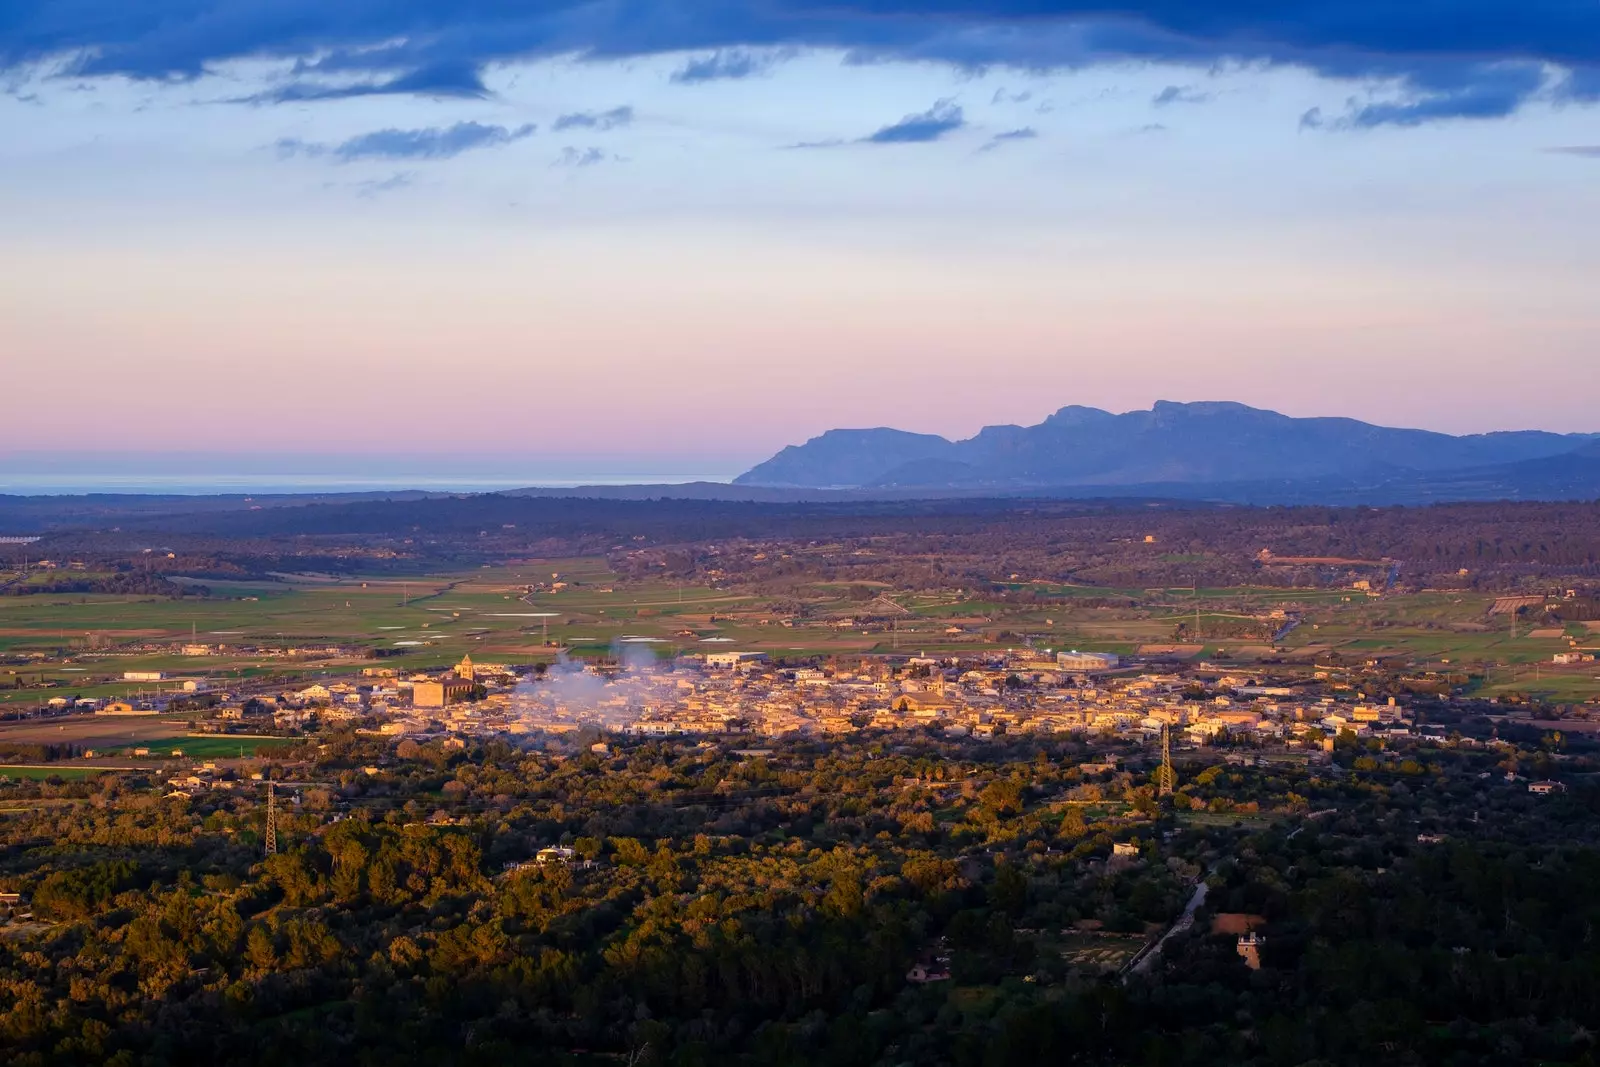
{"x": 931, "y": 969}
{"x": 1546, "y": 787}
{"x": 1249, "y": 949}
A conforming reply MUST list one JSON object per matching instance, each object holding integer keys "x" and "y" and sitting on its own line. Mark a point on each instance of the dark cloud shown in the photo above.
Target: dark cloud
{"x": 1003, "y": 97}
{"x": 727, "y": 65}
{"x": 596, "y": 120}
{"x": 930, "y": 125}
{"x": 1179, "y": 94}
{"x": 404, "y": 45}
{"x": 438, "y": 142}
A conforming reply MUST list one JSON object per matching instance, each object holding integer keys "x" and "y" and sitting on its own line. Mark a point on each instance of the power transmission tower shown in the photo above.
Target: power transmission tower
{"x": 272, "y": 821}
{"x": 1167, "y": 779}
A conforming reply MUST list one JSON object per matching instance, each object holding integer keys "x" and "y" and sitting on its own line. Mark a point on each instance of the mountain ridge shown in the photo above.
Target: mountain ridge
{"x": 1172, "y": 444}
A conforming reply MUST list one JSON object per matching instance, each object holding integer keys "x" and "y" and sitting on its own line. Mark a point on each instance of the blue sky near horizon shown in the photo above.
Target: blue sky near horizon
{"x": 691, "y": 234}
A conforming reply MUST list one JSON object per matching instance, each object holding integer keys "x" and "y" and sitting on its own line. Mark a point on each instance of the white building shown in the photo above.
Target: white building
{"x": 1087, "y": 661}
{"x": 733, "y": 659}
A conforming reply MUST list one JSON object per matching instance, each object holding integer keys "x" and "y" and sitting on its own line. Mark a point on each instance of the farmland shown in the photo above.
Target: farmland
{"x": 304, "y": 626}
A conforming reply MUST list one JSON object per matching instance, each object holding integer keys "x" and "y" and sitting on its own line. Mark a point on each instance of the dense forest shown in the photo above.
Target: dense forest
{"x": 776, "y": 907}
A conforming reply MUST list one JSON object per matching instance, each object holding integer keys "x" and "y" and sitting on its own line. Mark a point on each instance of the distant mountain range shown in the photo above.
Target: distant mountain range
{"x": 1218, "y": 450}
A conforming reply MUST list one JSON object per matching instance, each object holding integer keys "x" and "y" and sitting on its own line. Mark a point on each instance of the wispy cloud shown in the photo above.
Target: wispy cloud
{"x": 726, "y": 65}
{"x": 1587, "y": 151}
{"x": 1179, "y": 94}
{"x": 1026, "y": 133}
{"x": 1441, "y": 95}
{"x": 582, "y": 157}
{"x": 377, "y": 187}
{"x": 596, "y": 120}
{"x": 428, "y": 143}
{"x": 942, "y": 118}
{"x": 440, "y": 80}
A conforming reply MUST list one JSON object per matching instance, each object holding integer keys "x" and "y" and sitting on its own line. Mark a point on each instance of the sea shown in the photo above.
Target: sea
{"x": 59, "y": 483}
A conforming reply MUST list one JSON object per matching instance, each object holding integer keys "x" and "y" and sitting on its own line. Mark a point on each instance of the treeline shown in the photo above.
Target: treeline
{"x": 131, "y": 583}
{"x": 15, "y": 752}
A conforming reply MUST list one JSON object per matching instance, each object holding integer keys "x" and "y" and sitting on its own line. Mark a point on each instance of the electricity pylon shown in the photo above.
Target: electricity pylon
{"x": 272, "y": 822}
{"x": 1166, "y": 779}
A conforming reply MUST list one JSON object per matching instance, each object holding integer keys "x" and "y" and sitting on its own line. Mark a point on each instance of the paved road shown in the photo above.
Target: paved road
{"x": 1186, "y": 920}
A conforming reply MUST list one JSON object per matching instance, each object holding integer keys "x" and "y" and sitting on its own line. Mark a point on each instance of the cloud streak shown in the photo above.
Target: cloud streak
{"x": 596, "y": 120}
{"x": 1179, "y": 94}
{"x": 439, "y": 142}
{"x": 1026, "y": 133}
{"x": 942, "y": 118}
{"x": 444, "y": 80}
{"x": 572, "y": 156}
{"x": 728, "y": 65}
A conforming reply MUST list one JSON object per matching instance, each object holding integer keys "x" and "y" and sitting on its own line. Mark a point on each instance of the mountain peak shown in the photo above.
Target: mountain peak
{"x": 1078, "y": 415}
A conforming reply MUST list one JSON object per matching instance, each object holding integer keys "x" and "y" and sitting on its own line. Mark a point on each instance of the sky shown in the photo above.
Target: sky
{"x": 672, "y": 237}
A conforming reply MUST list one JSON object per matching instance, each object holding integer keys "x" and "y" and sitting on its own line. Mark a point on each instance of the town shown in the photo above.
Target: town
{"x": 871, "y": 796}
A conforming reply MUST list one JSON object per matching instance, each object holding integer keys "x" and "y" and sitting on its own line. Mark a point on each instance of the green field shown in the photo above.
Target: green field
{"x": 66, "y": 774}
{"x": 216, "y": 747}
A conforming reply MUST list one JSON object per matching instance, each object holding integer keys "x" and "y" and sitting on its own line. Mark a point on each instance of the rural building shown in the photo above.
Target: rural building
{"x": 1087, "y": 661}
{"x": 143, "y": 676}
{"x": 733, "y": 659}
{"x": 118, "y": 707}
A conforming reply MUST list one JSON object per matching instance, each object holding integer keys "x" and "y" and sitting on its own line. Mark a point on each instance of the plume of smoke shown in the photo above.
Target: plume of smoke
{"x": 572, "y": 692}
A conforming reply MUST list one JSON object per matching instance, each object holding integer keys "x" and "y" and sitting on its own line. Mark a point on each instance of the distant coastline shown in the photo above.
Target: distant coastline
{"x": 211, "y": 483}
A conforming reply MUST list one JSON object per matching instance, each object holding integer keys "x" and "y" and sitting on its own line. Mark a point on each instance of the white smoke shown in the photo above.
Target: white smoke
{"x": 572, "y": 692}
